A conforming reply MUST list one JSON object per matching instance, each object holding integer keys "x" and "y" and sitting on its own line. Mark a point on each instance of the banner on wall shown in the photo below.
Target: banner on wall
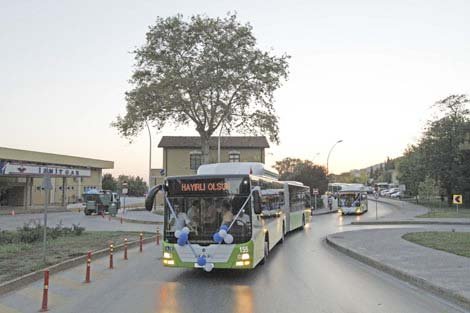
{"x": 8, "y": 168}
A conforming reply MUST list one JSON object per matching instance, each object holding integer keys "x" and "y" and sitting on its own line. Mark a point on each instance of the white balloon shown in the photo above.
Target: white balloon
{"x": 208, "y": 267}
{"x": 222, "y": 233}
{"x": 177, "y": 233}
{"x": 228, "y": 239}
{"x": 185, "y": 230}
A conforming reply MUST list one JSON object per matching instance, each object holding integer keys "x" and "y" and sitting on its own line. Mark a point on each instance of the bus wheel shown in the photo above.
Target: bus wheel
{"x": 266, "y": 252}
{"x": 87, "y": 212}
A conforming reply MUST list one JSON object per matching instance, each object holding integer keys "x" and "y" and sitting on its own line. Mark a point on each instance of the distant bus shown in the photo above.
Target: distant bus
{"x": 241, "y": 202}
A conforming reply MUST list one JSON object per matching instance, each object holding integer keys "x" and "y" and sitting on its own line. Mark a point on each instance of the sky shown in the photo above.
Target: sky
{"x": 365, "y": 72}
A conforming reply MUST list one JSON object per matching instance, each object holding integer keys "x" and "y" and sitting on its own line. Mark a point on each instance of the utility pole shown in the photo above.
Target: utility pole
{"x": 47, "y": 186}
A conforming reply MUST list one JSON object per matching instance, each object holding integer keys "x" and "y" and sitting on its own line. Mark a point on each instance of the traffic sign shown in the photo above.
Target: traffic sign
{"x": 457, "y": 199}
{"x": 46, "y": 183}
{"x": 125, "y": 191}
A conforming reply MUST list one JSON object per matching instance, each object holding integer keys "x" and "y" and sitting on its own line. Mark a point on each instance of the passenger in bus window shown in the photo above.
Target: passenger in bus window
{"x": 227, "y": 216}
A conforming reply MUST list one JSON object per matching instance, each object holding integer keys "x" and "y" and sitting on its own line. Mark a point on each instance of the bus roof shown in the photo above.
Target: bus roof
{"x": 238, "y": 168}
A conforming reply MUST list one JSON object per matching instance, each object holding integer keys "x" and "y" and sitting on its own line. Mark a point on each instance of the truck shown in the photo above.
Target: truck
{"x": 101, "y": 201}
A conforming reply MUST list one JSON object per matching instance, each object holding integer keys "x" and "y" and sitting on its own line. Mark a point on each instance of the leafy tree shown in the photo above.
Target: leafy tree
{"x": 207, "y": 72}
{"x": 287, "y": 165}
{"x": 136, "y": 185}
{"x": 444, "y": 159}
{"x": 412, "y": 170}
{"x": 108, "y": 182}
{"x": 306, "y": 172}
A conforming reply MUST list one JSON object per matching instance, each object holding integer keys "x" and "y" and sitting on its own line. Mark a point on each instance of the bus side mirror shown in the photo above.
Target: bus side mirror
{"x": 256, "y": 203}
{"x": 151, "y": 197}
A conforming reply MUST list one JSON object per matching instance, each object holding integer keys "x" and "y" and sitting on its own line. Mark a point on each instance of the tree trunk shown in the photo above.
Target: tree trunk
{"x": 205, "y": 148}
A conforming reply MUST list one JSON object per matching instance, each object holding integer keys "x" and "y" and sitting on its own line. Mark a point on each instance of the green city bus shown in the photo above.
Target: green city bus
{"x": 231, "y": 220}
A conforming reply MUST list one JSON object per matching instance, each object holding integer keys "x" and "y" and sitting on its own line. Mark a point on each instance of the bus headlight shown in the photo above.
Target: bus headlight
{"x": 245, "y": 256}
{"x": 166, "y": 255}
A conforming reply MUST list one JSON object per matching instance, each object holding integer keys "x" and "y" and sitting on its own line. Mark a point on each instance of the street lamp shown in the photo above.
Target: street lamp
{"x": 328, "y": 158}
{"x": 150, "y": 153}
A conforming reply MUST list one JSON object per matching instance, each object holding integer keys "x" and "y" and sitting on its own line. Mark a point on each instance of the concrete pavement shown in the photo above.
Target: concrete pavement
{"x": 442, "y": 273}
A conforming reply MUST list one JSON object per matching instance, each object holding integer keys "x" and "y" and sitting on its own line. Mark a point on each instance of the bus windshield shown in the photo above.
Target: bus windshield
{"x": 205, "y": 205}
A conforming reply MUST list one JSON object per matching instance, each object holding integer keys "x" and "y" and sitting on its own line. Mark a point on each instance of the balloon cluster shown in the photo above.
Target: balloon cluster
{"x": 202, "y": 262}
{"x": 222, "y": 235}
{"x": 182, "y": 236}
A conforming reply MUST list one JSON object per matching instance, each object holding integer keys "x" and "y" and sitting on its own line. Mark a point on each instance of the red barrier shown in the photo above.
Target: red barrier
{"x": 111, "y": 248}
{"x": 45, "y": 291}
{"x": 125, "y": 249}
{"x": 141, "y": 241}
{"x": 88, "y": 267}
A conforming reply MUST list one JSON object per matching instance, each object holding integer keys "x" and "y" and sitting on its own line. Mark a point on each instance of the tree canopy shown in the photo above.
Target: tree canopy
{"x": 438, "y": 156}
{"x": 306, "y": 172}
{"x": 206, "y": 72}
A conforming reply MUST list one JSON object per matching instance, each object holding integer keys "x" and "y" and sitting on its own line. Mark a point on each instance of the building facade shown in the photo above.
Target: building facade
{"x": 182, "y": 155}
{"x": 22, "y": 172}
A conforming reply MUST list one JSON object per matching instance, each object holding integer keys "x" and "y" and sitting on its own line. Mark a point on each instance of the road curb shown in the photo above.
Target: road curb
{"x": 27, "y": 279}
{"x": 414, "y": 280}
{"x": 410, "y": 223}
{"x": 128, "y": 220}
{"x": 325, "y": 213}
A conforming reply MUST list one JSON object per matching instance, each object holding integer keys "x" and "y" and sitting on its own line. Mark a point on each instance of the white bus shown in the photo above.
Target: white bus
{"x": 229, "y": 215}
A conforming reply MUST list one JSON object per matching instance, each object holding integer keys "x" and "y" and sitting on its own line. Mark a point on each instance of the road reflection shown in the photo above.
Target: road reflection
{"x": 168, "y": 302}
{"x": 243, "y": 299}
{"x": 180, "y": 297}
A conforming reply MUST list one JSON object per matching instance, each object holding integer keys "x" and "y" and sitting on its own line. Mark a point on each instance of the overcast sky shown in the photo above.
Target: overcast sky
{"x": 365, "y": 72}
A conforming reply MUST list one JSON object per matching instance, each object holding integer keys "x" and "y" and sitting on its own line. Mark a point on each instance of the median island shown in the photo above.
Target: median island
{"x": 453, "y": 242}
{"x": 21, "y": 250}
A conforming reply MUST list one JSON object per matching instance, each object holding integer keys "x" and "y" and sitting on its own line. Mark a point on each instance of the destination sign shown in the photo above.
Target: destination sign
{"x": 201, "y": 186}
{"x": 204, "y": 186}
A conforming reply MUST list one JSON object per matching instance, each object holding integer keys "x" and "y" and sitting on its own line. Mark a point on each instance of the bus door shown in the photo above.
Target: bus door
{"x": 286, "y": 207}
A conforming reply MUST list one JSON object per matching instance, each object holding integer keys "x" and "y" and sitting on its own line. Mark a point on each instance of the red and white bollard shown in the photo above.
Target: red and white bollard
{"x": 88, "y": 267}
{"x": 125, "y": 249}
{"x": 111, "y": 249}
{"x": 141, "y": 242}
{"x": 45, "y": 291}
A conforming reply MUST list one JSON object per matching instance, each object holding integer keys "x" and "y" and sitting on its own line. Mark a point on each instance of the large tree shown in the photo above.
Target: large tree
{"x": 306, "y": 172}
{"x": 441, "y": 145}
{"x": 207, "y": 72}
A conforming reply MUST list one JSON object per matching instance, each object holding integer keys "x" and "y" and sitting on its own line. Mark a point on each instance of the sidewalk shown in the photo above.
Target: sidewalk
{"x": 140, "y": 217}
{"x": 405, "y": 213}
{"x": 324, "y": 211}
{"x": 444, "y": 274}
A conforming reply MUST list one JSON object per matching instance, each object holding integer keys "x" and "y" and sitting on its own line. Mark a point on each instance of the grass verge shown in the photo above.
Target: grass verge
{"x": 17, "y": 259}
{"x": 453, "y": 242}
{"x": 447, "y": 213}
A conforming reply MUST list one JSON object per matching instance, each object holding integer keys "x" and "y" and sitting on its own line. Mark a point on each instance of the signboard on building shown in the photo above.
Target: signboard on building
{"x": 36, "y": 170}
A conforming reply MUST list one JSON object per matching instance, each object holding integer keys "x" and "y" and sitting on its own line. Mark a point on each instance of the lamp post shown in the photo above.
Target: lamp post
{"x": 328, "y": 158}
{"x": 218, "y": 143}
{"x": 150, "y": 153}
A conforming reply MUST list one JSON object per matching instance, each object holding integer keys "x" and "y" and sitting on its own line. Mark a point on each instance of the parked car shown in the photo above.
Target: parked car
{"x": 391, "y": 191}
{"x": 399, "y": 194}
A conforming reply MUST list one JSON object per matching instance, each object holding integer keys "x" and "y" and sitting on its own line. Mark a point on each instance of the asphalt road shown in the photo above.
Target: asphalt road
{"x": 302, "y": 275}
